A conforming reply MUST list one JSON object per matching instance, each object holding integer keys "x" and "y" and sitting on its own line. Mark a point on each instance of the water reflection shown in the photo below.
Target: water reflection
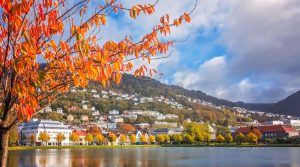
{"x": 153, "y": 157}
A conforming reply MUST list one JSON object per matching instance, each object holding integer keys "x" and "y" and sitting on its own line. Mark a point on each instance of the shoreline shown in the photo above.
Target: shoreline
{"x": 20, "y": 148}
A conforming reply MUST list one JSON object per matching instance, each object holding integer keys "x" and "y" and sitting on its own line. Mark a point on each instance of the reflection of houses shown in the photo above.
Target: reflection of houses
{"x": 35, "y": 127}
{"x": 272, "y": 131}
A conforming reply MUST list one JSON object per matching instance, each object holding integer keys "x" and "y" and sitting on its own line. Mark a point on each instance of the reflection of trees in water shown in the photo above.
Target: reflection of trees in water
{"x": 85, "y": 157}
{"x": 91, "y": 157}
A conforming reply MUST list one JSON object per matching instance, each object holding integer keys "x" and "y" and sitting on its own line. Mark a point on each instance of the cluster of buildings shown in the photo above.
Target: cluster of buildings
{"x": 277, "y": 129}
{"x": 134, "y": 97}
{"x": 115, "y": 117}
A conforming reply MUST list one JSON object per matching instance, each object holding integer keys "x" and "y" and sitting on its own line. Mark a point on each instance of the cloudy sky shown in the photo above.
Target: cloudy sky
{"x": 240, "y": 50}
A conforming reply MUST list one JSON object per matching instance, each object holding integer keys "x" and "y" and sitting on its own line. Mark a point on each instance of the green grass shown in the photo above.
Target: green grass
{"x": 152, "y": 146}
{"x": 76, "y": 147}
{"x": 232, "y": 145}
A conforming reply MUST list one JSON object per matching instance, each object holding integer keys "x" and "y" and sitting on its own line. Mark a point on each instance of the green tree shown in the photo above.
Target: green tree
{"x": 132, "y": 138}
{"x": 74, "y": 137}
{"x": 60, "y": 137}
{"x": 188, "y": 139}
{"x": 178, "y": 138}
{"x": 112, "y": 137}
{"x": 44, "y": 137}
{"x": 220, "y": 138}
{"x": 122, "y": 139}
{"x": 99, "y": 138}
{"x": 160, "y": 138}
{"x": 13, "y": 137}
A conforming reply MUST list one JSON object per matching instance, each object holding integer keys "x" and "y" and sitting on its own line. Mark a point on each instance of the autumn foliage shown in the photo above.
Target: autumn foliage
{"x": 65, "y": 36}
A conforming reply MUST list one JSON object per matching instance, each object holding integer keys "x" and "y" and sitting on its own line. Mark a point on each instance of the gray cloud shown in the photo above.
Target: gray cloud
{"x": 262, "y": 39}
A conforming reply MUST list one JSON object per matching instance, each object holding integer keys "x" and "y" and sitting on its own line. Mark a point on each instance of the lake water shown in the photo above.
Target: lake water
{"x": 154, "y": 157}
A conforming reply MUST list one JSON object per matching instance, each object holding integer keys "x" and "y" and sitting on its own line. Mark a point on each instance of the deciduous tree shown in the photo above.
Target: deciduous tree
{"x": 143, "y": 139}
{"x": 88, "y": 138}
{"x": 112, "y": 137}
{"x": 166, "y": 138}
{"x": 132, "y": 138}
{"x": 188, "y": 139}
{"x": 151, "y": 139}
{"x": 65, "y": 34}
{"x": 74, "y": 137}
{"x": 60, "y": 137}
{"x": 199, "y": 138}
{"x": 160, "y": 139}
{"x": 220, "y": 138}
{"x": 122, "y": 139}
{"x": 13, "y": 137}
{"x": 44, "y": 137}
{"x": 99, "y": 138}
{"x": 125, "y": 128}
{"x": 178, "y": 138}
{"x": 240, "y": 137}
{"x": 228, "y": 138}
{"x": 32, "y": 139}
{"x": 252, "y": 138}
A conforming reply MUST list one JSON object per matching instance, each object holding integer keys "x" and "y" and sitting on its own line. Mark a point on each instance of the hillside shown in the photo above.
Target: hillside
{"x": 288, "y": 106}
{"x": 146, "y": 86}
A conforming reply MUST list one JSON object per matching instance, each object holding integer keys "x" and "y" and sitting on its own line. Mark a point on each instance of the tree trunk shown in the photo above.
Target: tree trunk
{"x": 4, "y": 146}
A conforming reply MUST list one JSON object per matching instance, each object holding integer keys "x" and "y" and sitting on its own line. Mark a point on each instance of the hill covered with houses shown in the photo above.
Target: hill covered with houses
{"x": 147, "y": 100}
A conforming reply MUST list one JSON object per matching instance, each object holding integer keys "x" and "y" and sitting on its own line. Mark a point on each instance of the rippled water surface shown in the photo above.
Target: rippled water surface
{"x": 153, "y": 157}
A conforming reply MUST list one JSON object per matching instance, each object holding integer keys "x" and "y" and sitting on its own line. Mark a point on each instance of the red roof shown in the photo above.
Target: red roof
{"x": 277, "y": 128}
{"x": 81, "y": 133}
{"x": 268, "y": 129}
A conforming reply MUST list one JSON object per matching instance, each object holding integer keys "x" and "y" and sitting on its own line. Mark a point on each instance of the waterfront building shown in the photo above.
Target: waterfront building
{"x": 35, "y": 127}
{"x": 273, "y": 131}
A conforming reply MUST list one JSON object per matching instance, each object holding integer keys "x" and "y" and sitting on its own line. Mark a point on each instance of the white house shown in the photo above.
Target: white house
{"x": 95, "y": 113}
{"x": 59, "y": 110}
{"x": 96, "y": 95}
{"x": 84, "y": 106}
{"x": 114, "y": 112}
{"x": 35, "y": 127}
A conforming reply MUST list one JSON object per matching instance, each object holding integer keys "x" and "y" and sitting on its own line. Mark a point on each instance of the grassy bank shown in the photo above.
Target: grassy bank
{"x": 232, "y": 145}
{"x": 76, "y": 147}
{"x": 152, "y": 146}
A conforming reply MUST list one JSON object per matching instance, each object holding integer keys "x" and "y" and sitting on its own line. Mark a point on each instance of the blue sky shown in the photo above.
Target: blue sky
{"x": 240, "y": 50}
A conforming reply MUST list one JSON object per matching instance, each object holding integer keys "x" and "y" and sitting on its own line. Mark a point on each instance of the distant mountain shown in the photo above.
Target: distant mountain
{"x": 255, "y": 106}
{"x": 288, "y": 106}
